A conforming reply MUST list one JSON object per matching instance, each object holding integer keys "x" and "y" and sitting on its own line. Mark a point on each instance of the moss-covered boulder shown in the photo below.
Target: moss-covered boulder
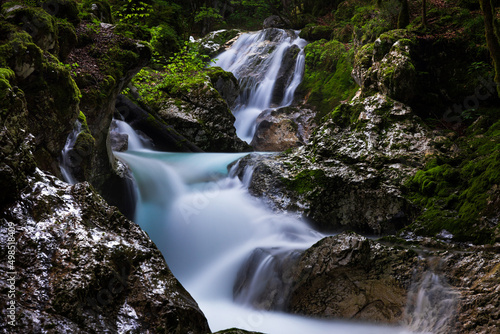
{"x": 197, "y": 111}
{"x": 102, "y": 64}
{"x": 37, "y": 23}
{"x": 16, "y": 144}
{"x": 315, "y": 33}
{"x": 350, "y": 174}
{"x": 51, "y": 94}
{"x": 387, "y": 66}
{"x": 327, "y": 75}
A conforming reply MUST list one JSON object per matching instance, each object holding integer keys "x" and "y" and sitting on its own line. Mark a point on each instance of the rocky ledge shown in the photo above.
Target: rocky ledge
{"x": 81, "y": 267}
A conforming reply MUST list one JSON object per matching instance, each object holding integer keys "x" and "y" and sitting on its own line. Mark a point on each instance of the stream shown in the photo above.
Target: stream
{"x": 204, "y": 221}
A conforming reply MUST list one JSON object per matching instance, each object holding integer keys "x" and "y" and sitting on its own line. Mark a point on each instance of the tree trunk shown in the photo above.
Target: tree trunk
{"x": 404, "y": 15}
{"x": 492, "y": 37}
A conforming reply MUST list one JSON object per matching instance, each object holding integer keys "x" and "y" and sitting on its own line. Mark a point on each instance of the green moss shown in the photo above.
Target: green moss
{"x": 327, "y": 78}
{"x": 38, "y": 24}
{"x": 454, "y": 195}
{"x": 305, "y": 181}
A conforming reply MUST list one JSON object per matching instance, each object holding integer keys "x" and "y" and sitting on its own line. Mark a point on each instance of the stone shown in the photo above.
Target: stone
{"x": 274, "y": 21}
{"x": 283, "y": 128}
{"x": 118, "y": 141}
{"x": 81, "y": 266}
{"x": 351, "y": 277}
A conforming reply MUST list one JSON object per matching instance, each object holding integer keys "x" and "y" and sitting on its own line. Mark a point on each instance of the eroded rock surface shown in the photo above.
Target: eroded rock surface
{"x": 350, "y": 276}
{"x": 82, "y": 267}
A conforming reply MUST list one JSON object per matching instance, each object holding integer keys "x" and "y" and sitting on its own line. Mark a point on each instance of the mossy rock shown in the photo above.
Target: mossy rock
{"x": 63, "y": 9}
{"x": 37, "y": 23}
{"x": 459, "y": 195}
{"x": 315, "y": 33}
{"x": 66, "y": 37}
{"x": 327, "y": 77}
{"x": 97, "y": 9}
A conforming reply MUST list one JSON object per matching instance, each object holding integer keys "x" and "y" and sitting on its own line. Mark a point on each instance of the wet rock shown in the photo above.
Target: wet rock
{"x": 282, "y": 128}
{"x": 218, "y": 41}
{"x": 349, "y": 276}
{"x": 349, "y": 175}
{"x": 203, "y": 117}
{"x": 476, "y": 277}
{"x": 81, "y": 266}
{"x": 118, "y": 141}
{"x": 285, "y": 74}
{"x": 274, "y": 21}
{"x": 164, "y": 136}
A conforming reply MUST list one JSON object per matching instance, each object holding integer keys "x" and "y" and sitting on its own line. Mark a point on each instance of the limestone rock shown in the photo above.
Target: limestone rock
{"x": 349, "y": 276}
{"x": 282, "y": 128}
{"x": 349, "y": 175}
{"x": 203, "y": 117}
{"x": 386, "y": 66}
{"x": 82, "y": 267}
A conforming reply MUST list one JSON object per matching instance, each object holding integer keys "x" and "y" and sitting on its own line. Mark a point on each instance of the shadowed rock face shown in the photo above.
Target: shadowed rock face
{"x": 349, "y": 276}
{"x": 83, "y": 267}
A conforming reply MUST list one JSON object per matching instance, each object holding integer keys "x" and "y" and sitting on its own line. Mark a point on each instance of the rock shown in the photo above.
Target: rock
{"x": 218, "y": 41}
{"x": 37, "y": 23}
{"x": 16, "y": 144}
{"x": 164, "y": 136}
{"x": 100, "y": 84}
{"x": 82, "y": 267}
{"x": 226, "y": 84}
{"x": 282, "y": 128}
{"x": 386, "y": 66}
{"x": 351, "y": 277}
{"x": 350, "y": 174}
{"x": 118, "y": 141}
{"x": 316, "y": 33}
{"x": 274, "y": 21}
{"x": 285, "y": 74}
{"x": 203, "y": 117}
{"x": 476, "y": 277}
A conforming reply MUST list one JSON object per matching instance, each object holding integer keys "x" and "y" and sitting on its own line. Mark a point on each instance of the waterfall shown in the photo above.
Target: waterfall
{"x": 432, "y": 304}
{"x": 227, "y": 248}
{"x": 257, "y": 61}
{"x": 136, "y": 141}
{"x": 68, "y": 157}
{"x": 208, "y": 227}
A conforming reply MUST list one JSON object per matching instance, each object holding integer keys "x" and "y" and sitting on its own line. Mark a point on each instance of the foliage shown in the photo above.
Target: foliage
{"x": 182, "y": 70}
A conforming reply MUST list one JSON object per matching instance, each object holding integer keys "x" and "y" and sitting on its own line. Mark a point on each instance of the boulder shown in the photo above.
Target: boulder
{"x": 351, "y": 277}
{"x": 350, "y": 174}
{"x": 82, "y": 267}
{"x": 387, "y": 66}
{"x": 282, "y": 128}
{"x": 198, "y": 111}
{"x": 274, "y": 21}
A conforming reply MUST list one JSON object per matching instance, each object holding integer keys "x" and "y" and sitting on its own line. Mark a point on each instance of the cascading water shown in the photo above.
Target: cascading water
{"x": 221, "y": 243}
{"x": 207, "y": 226}
{"x": 67, "y": 158}
{"x": 257, "y": 61}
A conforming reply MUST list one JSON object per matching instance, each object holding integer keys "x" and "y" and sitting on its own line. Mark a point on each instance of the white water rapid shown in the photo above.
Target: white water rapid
{"x": 257, "y": 61}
